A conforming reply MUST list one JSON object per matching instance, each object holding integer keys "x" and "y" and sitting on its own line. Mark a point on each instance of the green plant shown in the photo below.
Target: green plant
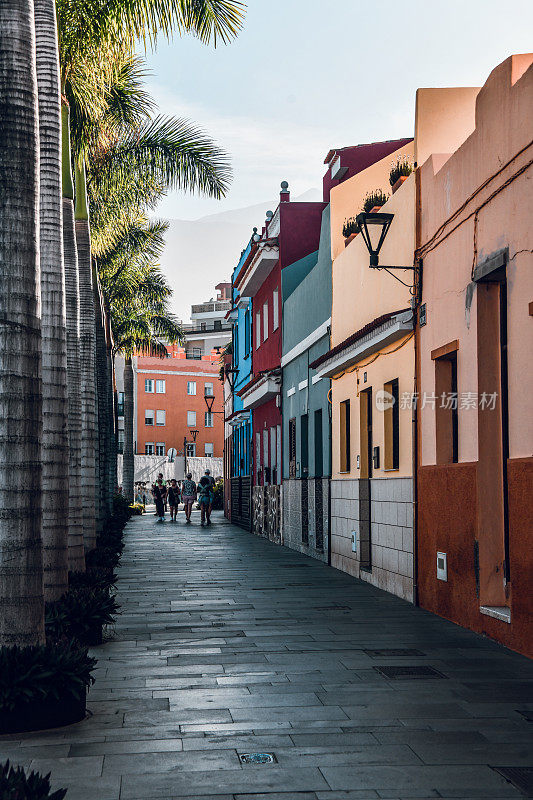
{"x": 16, "y": 785}
{"x": 51, "y": 671}
{"x": 350, "y": 226}
{"x": 375, "y": 198}
{"x": 95, "y": 578}
{"x": 137, "y": 509}
{"x": 80, "y": 613}
{"x": 102, "y": 558}
{"x": 218, "y": 500}
{"x": 401, "y": 167}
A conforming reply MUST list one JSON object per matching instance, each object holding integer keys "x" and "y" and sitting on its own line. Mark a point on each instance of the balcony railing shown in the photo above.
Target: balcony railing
{"x": 205, "y": 308}
{"x": 206, "y": 327}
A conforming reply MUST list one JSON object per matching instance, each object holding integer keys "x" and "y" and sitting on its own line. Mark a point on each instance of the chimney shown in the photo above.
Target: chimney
{"x": 284, "y": 195}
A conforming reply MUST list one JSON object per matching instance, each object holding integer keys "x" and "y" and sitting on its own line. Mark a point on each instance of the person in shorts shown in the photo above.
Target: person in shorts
{"x": 205, "y": 498}
{"x": 188, "y": 495}
{"x": 173, "y": 494}
{"x": 159, "y": 492}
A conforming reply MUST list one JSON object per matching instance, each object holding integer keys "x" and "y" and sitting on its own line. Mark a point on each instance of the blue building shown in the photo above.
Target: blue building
{"x": 306, "y": 295}
{"x": 240, "y": 420}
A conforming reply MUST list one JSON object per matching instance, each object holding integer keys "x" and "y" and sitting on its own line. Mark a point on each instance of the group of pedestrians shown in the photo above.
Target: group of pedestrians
{"x": 171, "y": 493}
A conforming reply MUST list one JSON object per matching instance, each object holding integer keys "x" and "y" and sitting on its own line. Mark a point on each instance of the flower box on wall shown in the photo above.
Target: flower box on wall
{"x": 350, "y": 238}
{"x": 396, "y": 185}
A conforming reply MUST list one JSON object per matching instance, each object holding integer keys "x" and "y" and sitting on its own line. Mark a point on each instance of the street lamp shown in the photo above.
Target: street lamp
{"x": 231, "y": 373}
{"x": 374, "y": 228}
{"x": 194, "y": 434}
{"x": 209, "y": 400}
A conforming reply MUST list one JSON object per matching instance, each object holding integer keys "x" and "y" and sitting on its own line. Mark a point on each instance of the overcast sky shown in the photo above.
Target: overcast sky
{"x": 307, "y": 75}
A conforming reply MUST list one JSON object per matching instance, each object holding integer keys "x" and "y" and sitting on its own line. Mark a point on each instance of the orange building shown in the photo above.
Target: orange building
{"x": 170, "y": 402}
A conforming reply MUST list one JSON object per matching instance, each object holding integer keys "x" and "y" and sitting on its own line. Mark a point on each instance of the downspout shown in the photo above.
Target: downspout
{"x": 416, "y": 321}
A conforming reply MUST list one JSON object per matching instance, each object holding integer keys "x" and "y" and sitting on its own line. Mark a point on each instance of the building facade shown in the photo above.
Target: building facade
{"x": 306, "y": 294}
{"x": 169, "y": 403}
{"x": 475, "y": 474}
{"x": 239, "y": 467}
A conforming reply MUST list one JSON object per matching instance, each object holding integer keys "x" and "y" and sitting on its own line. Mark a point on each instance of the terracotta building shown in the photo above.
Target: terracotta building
{"x": 475, "y": 385}
{"x": 169, "y": 403}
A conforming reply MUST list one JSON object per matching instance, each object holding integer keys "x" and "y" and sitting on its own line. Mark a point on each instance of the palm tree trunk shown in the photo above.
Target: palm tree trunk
{"x": 76, "y": 555}
{"x": 128, "y": 468}
{"x": 101, "y": 383}
{"x": 21, "y": 566}
{"x": 112, "y": 435}
{"x": 54, "y": 344}
{"x": 87, "y": 365}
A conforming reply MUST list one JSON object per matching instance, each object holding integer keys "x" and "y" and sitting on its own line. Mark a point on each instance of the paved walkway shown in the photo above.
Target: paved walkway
{"x": 229, "y": 645}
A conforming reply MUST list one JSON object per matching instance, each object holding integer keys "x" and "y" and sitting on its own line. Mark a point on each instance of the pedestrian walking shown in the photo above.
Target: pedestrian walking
{"x": 188, "y": 495}
{"x": 205, "y": 498}
{"x": 173, "y": 499}
{"x": 159, "y": 493}
{"x": 212, "y": 493}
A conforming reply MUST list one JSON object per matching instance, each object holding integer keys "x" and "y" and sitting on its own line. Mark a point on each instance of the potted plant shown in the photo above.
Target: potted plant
{"x": 43, "y": 686}
{"x": 374, "y": 200}
{"x": 400, "y": 171}
{"x": 350, "y": 229}
{"x": 81, "y": 614}
{"x": 16, "y": 785}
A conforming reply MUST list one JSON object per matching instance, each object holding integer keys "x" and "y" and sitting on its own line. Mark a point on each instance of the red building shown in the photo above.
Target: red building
{"x": 291, "y": 233}
{"x": 169, "y": 402}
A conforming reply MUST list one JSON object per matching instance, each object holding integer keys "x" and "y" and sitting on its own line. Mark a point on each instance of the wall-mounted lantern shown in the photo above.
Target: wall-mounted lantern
{"x": 374, "y": 228}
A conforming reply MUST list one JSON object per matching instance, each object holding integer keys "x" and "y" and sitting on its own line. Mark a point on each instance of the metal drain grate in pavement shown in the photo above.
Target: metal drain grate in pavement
{"x": 520, "y": 777}
{"x": 257, "y": 758}
{"x": 408, "y": 673}
{"x": 393, "y": 652}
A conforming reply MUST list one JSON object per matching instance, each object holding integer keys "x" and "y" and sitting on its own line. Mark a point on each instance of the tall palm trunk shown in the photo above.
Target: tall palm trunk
{"x": 76, "y": 555}
{"x": 102, "y": 404}
{"x": 21, "y": 566}
{"x": 54, "y": 344}
{"x": 128, "y": 468}
{"x": 111, "y": 452}
{"x": 87, "y": 361}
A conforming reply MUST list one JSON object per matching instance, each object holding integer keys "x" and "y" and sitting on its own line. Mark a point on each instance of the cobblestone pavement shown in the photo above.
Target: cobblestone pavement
{"x": 228, "y": 645}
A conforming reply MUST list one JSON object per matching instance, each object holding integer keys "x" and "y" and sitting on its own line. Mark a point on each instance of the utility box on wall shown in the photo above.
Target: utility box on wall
{"x": 442, "y": 567}
{"x": 354, "y": 541}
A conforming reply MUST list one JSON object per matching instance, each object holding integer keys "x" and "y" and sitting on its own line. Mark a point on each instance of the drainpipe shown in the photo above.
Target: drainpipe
{"x": 416, "y": 437}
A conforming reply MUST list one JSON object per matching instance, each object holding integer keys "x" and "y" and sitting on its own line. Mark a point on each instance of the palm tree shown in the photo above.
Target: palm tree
{"x": 144, "y": 326}
{"x": 21, "y": 576}
{"x": 54, "y": 363}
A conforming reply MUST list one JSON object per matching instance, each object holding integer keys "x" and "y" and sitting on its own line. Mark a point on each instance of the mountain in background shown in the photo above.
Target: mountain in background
{"x": 201, "y": 253}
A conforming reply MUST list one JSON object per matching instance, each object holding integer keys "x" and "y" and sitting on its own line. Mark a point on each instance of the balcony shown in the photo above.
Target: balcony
{"x": 260, "y": 267}
{"x": 210, "y": 308}
{"x": 209, "y": 326}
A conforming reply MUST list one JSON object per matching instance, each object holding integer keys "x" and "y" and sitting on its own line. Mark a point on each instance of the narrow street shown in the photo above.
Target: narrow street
{"x": 229, "y": 645}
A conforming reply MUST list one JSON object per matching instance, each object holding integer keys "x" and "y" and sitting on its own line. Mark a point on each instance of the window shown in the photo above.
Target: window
{"x": 194, "y": 353}
{"x": 120, "y": 404}
{"x": 392, "y": 426}
{"x": 120, "y": 441}
{"x": 319, "y": 455}
{"x": 191, "y": 450}
{"x": 191, "y": 418}
{"x": 160, "y": 417}
{"x": 275, "y": 310}
{"x": 149, "y": 449}
{"x": 278, "y": 452}
{"x": 265, "y": 321}
{"x": 446, "y": 416}
{"x": 257, "y": 330}
{"x": 345, "y": 436}
{"x": 203, "y": 326}
{"x": 273, "y": 455}
{"x": 160, "y": 449}
{"x": 217, "y": 325}
{"x": 258, "y": 453}
{"x": 209, "y": 449}
{"x": 247, "y": 334}
{"x": 235, "y": 344}
{"x": 148, "y": 417}
{"x": 208, "y": 390}
{"x": 208, "y": 419}
{"x": 266, "y": 460}
{"x": 292, "y": 448}
{"x": 191, "y": 387}
{"x": 149, "y": 385}
{"x": 160, "y": 387}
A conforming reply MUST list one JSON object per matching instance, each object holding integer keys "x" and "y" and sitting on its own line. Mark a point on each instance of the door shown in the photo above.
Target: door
{"x": 366, "y": 464}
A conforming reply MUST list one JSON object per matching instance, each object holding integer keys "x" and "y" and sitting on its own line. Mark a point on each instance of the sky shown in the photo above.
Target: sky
{"x": 304, "y": 76}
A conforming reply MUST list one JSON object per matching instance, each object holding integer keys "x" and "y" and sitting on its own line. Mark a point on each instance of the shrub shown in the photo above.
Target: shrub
{"x": 96, "y": 578}
{"x": 16, "y": 785}
{"x": 218, "y": 501}
{"x": 47, "y": 672}
{"x": 350, "y": 226}
{"x": 80, "y": 614}
{"x": 401, "y": 167}
{"x": 375, "y": 198}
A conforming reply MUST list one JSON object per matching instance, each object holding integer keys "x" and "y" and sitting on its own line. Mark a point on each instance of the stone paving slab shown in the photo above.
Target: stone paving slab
{"x": 228, "y": 644}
